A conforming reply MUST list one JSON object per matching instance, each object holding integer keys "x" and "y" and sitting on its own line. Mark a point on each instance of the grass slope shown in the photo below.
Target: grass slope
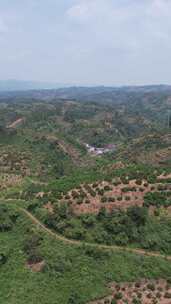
{"x": 86, "y": 275}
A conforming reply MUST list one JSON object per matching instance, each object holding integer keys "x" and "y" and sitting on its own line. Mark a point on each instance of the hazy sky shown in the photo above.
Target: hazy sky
{"x": 111, "y": 42}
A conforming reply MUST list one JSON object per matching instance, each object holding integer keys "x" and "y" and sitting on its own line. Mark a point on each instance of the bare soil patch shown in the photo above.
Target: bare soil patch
{"x": 9, "y": 180}
{"x": 16, "y": 123}
{"x": 49, "y": 207}
{"x": 164, "y": 176}
{"x": 36, "y": 267}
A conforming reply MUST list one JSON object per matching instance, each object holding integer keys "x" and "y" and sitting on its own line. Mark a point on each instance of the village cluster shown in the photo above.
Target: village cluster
{"x": 99, "y": 151}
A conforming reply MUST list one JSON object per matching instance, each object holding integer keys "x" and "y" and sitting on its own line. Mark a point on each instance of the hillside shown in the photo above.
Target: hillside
{"x": 85, "y": 200}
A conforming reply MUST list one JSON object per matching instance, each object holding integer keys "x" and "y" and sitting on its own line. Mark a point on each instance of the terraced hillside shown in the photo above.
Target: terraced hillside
{"x": 138, "y": 292}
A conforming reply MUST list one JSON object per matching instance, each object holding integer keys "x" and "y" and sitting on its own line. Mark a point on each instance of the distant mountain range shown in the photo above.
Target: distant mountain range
{"x": 19, "y": 85}
{"x": 13, "y": 85}
{"x": 14, "y": 89}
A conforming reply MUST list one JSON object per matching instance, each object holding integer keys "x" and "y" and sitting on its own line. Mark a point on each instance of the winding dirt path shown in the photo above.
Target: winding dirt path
{"x": 78, "y": 243}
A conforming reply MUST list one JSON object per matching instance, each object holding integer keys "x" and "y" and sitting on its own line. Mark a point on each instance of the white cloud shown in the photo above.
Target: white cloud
{"x": 121, "y": 35}
{"x": 78, "y": 11}
{"x": 132, "y": 22}
{"x": 86, "y": 10}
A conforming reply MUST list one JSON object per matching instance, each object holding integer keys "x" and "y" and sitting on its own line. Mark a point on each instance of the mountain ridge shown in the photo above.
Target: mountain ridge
{"x": 24, "y": 85}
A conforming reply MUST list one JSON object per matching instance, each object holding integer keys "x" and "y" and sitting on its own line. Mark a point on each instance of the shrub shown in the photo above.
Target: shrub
{"x": 118, "y": 296}
{"x": 125, "y": 181}
{"x": 149, "y": 295}
{"x": 74, "y": 194}
{"x": 83, "y": 194}
{"x": 138, "y": 215}
{"x": 88, "y": 220}
{"x": 32, "y": 206}
{"x": 32, "y": 242}
{"x": 95, "y": 185}
{"x": 155, "y": 199}
{"x": 167, "y": 295}
{"x": 119, "y": 198}
{"x": 113, "y": 301}
{"x": 102, "y": 214}
{"x": 156, "y": 212}
{"x": 100, "y": 192}
{"x": 161, "y": 187}
{"x": 127, "y": 189}
{"x": 92, "y": 193}
{"x": 104, "y": 199}
{"x": 96, "y": 253}
{"x": 151, "y": 179}
{"x": 108, "y": 179}
{"x": 136, "y": 301}
{"x": 7, "y": 218}
{"x": 88, "y": 188}
{"x": 111, "y": 199}
{"x": 107, "y": 301}
{"x": 118, "y": 287}
{"x": 116, "y": 183}
{"x": 76, "y": 232}
{"x": 121, "y": 239}
{"x": 62, "y": 210}
{"x": 60, "y": 265}
{"x": 151, "y": 286}
{"x": 139, "y": 295}
{"x": 34, "y": 257}
{"x": 3, "y": 258}
{"x": 74, "y": 298}
{"x": 138, "y": 284}
{"x": 79, "y": 201}
{"x": 139, "y": 182}
{"x": 158, "y": 295}
{"x": 5, "y": 226}
{"x": 107, "y": 188}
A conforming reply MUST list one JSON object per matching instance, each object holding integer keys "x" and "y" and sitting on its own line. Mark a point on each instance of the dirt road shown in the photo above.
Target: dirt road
{"x": 100, "y": 246}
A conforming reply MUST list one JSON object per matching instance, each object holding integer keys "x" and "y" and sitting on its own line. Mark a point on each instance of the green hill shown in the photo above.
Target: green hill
{"x": 85, "y": 200}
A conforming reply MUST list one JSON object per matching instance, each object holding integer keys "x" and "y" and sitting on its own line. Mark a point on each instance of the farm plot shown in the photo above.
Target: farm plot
{"x": 143, "y": 291}
{"x": 90, "y": 198}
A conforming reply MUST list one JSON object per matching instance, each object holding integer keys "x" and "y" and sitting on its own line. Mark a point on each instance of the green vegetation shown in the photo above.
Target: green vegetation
{"x": 158, "y": 199}
{"x": 131, "y": 228}
{"x": 69, "y": 271}
{"x": 46, "y": 169}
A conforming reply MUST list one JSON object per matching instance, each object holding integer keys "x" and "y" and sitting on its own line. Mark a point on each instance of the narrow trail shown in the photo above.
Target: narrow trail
{"x": 79, "y": 243}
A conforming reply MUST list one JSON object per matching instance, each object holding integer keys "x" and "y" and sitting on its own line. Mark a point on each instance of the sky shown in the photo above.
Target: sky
{"x": 86, "y": 42}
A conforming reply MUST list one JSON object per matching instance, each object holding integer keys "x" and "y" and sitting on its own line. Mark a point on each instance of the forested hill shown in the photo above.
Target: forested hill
{"x": 99, "y": 93}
